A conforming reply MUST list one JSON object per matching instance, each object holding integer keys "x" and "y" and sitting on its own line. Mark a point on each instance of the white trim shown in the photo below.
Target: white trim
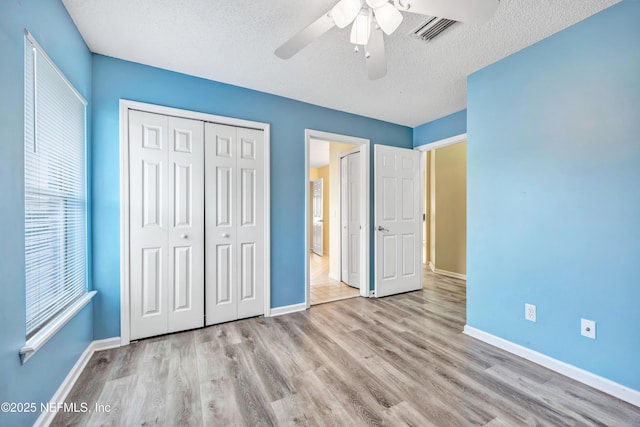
{"x": 599, "y": 383}
{"x": 442, "y": 143}
{"x": 41, "y": 337}
{"x": 432, "y": 267}
{"x": 125, "y": 106}
{"x": 365, "y": 176}
{"x": 450, "y": 274}
{"x": 106, "y": 344}
{"x": 293, "y": 308}
{"x": 67, "y": 384}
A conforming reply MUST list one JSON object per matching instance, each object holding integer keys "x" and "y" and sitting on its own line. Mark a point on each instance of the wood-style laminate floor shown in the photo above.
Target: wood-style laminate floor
{"x": 399, "y": 360}
{"x": 324, "y": 288}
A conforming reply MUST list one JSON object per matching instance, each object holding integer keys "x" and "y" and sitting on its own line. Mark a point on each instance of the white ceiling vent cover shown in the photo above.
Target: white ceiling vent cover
{"x": 432, "y": 28}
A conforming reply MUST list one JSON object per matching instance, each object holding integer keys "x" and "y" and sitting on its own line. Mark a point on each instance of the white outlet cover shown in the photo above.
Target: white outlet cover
{"x": 530, "y": 312}
{"x": 588, "y": 328}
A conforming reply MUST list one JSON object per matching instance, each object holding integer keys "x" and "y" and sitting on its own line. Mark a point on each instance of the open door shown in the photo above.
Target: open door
{"x": 398, "y": 208}
{"x": 318, "y": 221}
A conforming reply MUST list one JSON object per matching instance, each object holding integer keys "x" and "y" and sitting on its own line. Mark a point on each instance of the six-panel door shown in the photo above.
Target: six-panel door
{"x": 397, "y": 220}
{"x": 166, "y": 224}
{"x": 234, "y": 238}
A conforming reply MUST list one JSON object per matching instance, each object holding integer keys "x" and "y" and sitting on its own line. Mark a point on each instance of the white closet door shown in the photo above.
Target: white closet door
{"x": 166, "y": 224}
{"x": 250, "y": 227}
{"x": 148, "y": 223}
{"x": 344, "y": 219}
{"x": 354, "y": 227}
{"x": 234, "y": 179}
{"x": 220, "y": 219}
{"x": 186, "y": 224}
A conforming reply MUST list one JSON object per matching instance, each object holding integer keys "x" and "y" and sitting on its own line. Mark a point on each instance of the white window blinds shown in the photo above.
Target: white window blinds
{"x": 55, "y": 194}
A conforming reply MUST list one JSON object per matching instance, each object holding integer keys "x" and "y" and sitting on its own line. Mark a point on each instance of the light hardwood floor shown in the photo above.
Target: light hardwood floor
{"x": 400, "y": 360}
{"x": 323, "y": 288}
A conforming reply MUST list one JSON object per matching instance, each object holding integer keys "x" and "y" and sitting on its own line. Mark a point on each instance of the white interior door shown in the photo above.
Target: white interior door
{"x": 318, "y": 220}
{"x": 166, "y": 224}
{"x": 397, "y": 220}
{"x": 250, "y": 225}
{"x": 186, "y": 224}
{"x": 354, "y": 228}
{"x": 234, "y": 237}
{"x": 344, "y": 220}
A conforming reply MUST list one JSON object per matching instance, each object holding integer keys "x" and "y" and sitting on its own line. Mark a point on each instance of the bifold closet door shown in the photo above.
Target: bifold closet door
{"x": 166, "y": 177}
{"x": 234, "y": 240}
{"x": 350, "y": 219}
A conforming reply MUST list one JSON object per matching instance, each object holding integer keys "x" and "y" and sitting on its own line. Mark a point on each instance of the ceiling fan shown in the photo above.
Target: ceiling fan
{"x": 372, "y": 19}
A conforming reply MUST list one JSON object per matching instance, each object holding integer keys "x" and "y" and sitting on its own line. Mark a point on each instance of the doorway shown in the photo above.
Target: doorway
{"x": 444, "y": 234}
{"x": 336, "y": 190}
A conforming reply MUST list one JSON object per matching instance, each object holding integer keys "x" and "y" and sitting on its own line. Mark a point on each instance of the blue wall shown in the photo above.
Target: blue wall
{"x": 40, "y": 377}
{"x": 445, "y": 127}
{"x": 554, "y": 195}
{"x": 114, "y": 79}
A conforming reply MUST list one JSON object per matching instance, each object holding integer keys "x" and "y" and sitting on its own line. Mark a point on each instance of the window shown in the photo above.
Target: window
{"x": 55, "y": 194}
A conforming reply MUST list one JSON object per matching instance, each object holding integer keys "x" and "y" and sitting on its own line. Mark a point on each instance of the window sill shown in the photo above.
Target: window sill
{"x": 37, "y": 341}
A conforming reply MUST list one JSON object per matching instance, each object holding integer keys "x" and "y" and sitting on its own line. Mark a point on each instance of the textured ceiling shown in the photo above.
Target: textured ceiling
{"x": 233, "y": 42}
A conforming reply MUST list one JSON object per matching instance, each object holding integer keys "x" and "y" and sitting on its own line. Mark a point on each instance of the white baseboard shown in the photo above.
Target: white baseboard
{"x": 334, "y": 277}
{"x": 599, "y": 383}
{"x": 279, "y": 311}
{"x": 450, "y": 274}
{"x": 61, "y": 394}
{"x": 432, "y": 267}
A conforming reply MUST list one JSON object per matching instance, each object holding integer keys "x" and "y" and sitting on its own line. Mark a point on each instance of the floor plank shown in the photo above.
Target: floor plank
{"x": 400, "y": 360}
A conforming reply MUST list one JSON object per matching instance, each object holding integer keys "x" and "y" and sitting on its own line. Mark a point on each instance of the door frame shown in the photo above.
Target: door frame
{"x": 125, "y": 106}
{"x": 365, "y": 211}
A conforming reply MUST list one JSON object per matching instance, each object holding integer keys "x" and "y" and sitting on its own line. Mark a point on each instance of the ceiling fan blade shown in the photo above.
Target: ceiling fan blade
{"x": 345, "y": 11}
{"x": 388, "y": 17}
{"x": 298, "y": 42}
{"x": 472, "y": 11}
{"x": 376, "y": 60}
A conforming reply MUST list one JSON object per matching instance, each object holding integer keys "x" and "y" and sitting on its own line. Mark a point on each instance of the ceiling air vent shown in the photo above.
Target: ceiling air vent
{"x": 432, "y": 28}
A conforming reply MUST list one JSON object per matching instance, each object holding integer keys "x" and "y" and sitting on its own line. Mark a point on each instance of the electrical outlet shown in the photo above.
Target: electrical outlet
{"x": 588, "y": 328}
{"x": 530, "y": 312}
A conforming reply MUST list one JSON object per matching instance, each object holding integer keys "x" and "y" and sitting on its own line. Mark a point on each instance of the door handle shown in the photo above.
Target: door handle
{"x": 183, "y": 236}
{"x": 381, "y": 228}
{"x": 320, "y": 220}
{"x": 225, "y": 235}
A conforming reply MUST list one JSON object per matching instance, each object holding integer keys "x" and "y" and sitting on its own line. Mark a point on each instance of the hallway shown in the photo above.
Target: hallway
{"x": 323, "y": 288}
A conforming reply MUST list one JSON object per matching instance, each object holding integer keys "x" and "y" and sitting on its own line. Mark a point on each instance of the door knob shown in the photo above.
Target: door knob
{"x": 381, "y": 228}
{"x": 225, "y": 235}
{"x": 183, "y": 236}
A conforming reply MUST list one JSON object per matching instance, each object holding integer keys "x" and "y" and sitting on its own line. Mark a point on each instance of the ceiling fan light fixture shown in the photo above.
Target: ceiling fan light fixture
{"x": 345, "y": 11}
{"x": 361, "y": 29}
{"x": 388, "y": 18}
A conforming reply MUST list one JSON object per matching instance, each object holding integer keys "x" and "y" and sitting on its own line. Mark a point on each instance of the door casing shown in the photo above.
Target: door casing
{"x": 365, "y": 176}
{"x": 125, "y": 106}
